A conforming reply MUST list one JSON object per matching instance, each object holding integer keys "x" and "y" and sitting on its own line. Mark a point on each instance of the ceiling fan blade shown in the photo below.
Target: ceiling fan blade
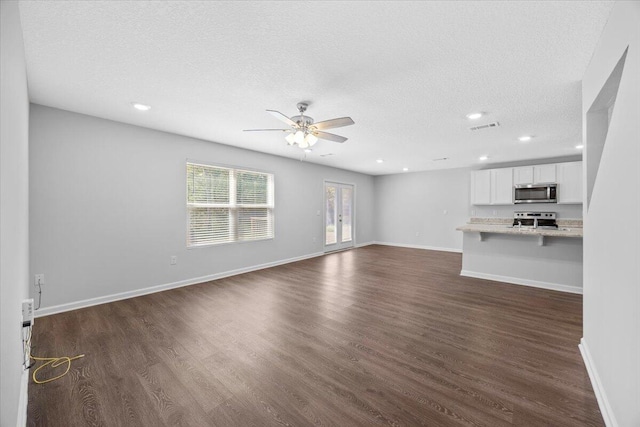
{"x": 278, "y": 115}
{"x": 329, "y": 136}
{"x": 334, "y": 123}
{"x": 263, "y": 130}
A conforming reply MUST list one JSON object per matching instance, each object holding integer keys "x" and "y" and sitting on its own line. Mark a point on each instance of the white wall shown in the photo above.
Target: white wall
{"x": 611, "y": 343}
{"x": 14, "y": 211}
{"x": 414, "y": 203}
{"x": 108, "y": 207}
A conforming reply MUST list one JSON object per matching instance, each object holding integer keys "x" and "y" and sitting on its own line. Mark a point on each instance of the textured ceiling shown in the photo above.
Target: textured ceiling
{"x": 406, "y": 72}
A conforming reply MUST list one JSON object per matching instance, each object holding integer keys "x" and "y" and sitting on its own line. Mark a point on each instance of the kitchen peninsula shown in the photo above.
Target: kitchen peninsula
{"x": 550, "y": 258}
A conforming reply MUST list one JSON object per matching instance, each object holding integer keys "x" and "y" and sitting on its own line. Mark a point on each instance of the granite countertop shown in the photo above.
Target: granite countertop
{"x": 566, "y": 228}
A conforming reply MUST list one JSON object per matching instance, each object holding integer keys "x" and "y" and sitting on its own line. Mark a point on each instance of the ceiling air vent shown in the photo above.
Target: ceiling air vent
{"x": 440, "y": 159}
{"x": 488, "y": 125}
{"x": 326, "y": 155}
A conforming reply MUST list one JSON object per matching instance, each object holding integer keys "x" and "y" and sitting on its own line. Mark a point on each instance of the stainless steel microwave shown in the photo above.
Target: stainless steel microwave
{"x": 535, "y": 193}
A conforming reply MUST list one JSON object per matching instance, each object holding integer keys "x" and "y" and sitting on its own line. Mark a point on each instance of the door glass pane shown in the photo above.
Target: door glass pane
{"x": 347, "y": 217}
{"x": 331, "y": 209}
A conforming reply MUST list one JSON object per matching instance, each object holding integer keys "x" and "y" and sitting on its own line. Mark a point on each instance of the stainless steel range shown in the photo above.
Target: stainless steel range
{"x": 535, "y": 220}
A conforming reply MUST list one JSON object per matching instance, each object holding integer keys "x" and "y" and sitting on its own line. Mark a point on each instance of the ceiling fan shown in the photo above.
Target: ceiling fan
{"x": 302, "y": 130}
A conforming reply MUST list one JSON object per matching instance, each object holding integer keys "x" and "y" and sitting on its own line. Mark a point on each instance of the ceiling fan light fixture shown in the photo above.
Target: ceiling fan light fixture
{"x": 311, "y": 139}
{"x": 303, "y": 131}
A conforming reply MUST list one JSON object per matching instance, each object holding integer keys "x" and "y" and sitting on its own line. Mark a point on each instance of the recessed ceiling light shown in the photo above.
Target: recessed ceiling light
{"x": 141, "y": 107}
{"x": 308, "y": 150}
{"x": 524, "y": 138}
{"x": 405, "y": 169}
{"x": 474, "y": 116}
{"x": 379, "y": 160}
{"x": 483, "y": 158}
{"x": 580, "y": 147}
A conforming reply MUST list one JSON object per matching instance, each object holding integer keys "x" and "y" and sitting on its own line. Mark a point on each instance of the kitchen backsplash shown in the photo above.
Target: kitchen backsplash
{"x": 562, "y": 211}
{"x": 508, "y": 221}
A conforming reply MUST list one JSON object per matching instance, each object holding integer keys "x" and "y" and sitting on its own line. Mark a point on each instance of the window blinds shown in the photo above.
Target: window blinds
{"x": 228, "y": 205}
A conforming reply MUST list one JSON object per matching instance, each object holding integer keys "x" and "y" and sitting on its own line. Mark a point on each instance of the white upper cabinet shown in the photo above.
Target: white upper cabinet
{"x": 492, "y": 187}
{"x": 495, "y": 186}
{"x": 544, "y": 174}
{"x": 502, "y": 186}
{"x": 569, "y": 182}
{"x": 538, "y": 174}
{"x": 523, "y": 175}
{"x": 481, "y": 187}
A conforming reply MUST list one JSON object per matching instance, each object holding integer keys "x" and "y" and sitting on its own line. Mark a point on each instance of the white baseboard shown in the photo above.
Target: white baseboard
{"x": 23, "y": 399}
{"x": 523, "y": 282}
{"x": 603, "y": 402}
{"x": 429, "y": 248}
{"x": 47, "y": 311}
{"x": 360, "y": 245}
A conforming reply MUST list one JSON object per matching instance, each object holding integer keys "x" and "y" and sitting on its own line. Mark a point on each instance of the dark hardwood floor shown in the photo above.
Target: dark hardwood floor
{"x": 372, "y": 336}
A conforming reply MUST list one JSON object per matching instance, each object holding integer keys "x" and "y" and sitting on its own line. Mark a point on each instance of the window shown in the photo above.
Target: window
{"x": 228, "y": 205}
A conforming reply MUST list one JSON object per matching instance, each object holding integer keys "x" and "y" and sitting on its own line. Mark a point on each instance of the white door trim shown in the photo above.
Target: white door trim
{"x": 338, "y": 246}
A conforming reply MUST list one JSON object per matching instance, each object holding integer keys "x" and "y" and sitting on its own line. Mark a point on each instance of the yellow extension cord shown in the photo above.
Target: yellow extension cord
{"x": 54, "y": 362}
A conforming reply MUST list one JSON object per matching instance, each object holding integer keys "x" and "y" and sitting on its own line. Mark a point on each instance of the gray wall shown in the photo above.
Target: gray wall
{"x": 410, "y": 208}
{"x": 520, "y": 260}
{"x": 14, "y": 212}
{"x": 108, "y": 207}
{"x": 612, "y": 244}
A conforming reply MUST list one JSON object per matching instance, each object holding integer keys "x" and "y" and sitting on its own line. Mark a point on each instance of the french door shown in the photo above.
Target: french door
{"x": 339, "y": 218}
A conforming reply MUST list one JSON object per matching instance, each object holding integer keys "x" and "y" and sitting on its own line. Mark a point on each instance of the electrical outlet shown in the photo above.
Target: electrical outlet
{"x": 473, "y": 212}
{"x": 495, "y": 213}
{"x": 174, "y": 260}
{"x": 39, "y": 280}
{"x": 417, "y": 233}
{"x": 444, "y": 212}
{"x": 27, "y": 312}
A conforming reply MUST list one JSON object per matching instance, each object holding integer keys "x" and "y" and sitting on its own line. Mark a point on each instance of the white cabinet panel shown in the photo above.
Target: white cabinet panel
{"x": 481, "y": 187}
{"x": 569, "y": 182}
{"x": 537, "y": 174}
{"x": 544, "y": 174}
{"x": 502, "y": 186}
{"x": 523, "y": 175}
